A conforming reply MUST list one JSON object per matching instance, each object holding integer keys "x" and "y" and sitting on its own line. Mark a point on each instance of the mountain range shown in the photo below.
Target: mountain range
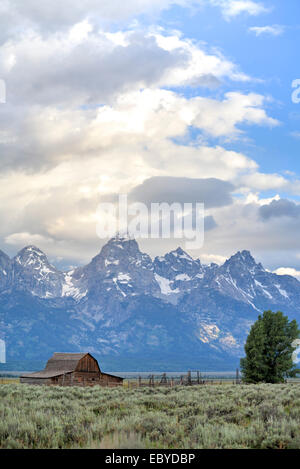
{"x": 135, "y": 313}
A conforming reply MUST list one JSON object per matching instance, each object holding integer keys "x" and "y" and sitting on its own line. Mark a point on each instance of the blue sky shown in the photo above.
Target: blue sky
{"x": 272, "y": 59}
{"x": 108, "y": 96}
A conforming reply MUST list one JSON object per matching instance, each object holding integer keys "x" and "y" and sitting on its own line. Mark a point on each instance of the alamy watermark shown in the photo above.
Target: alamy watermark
{"x": 2, "y": 92}
{"x": 296, "y": 92}
{"x": 178, "y": 220}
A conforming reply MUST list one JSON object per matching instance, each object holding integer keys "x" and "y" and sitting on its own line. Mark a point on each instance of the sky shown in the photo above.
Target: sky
{"x": 143, "y": 97}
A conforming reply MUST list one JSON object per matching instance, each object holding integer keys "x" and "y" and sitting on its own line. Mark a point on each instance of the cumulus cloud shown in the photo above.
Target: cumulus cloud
{"x": 233, "y": 8}
{"x": 63, "y": 162}
{"x": 253, "y": 198}
{"x": 58, "y": 15}
{"x": 212, "y": 259}
{"x": 220, "y": 118}
{"x": 60, "y": 71}
{"x": 66, "y": 84}
{"x": 86, "y": 66}
{"x": 240, "y": 226}
{"x": 288, "y": 271}
{"x": 24, "y": 239}
{"x": 137, "y": 125}
{"x": 94, "y": 110}
{"x": 280, "y": 208}
{"x": 202, "y": 68}
{"x": 262, "y": 181}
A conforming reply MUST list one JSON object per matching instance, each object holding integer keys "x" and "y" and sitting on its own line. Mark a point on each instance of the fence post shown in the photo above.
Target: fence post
{"x": 237, "y": 376}
{"x": 164, "y": 379}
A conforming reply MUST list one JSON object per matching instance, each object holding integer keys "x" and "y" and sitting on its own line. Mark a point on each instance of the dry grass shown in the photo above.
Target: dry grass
{"x": 254, "y": 416}
{"x": 9, "y": 380}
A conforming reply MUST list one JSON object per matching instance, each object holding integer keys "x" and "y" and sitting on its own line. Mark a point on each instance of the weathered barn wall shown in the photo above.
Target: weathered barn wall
{"x": 88, "y": 364}
{"x": 109, "y": 380}
{"x": 37, "y": 381}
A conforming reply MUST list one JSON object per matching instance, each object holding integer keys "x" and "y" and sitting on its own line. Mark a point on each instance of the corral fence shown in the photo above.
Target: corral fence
{"x": 164, "y": 379}
{"x": 188, "y": 379}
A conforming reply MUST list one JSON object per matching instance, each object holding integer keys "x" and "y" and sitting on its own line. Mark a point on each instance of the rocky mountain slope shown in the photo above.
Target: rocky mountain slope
{"x": 133, "y": 312}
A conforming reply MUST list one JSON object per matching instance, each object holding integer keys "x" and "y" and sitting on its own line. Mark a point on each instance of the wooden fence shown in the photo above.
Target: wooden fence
{"x": 183, "y": 380}
{"x": 163, "y": 379}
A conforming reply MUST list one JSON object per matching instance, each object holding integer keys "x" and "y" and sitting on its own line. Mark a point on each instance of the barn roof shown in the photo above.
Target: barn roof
{"x": 58, "y": 364}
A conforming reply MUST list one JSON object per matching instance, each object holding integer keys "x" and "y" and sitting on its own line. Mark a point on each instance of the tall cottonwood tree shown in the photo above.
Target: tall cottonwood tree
{"x": 269, "y": 349}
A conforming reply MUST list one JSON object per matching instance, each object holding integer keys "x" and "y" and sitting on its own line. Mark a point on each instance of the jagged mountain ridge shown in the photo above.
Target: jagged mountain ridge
{"x": 123, "y": 303}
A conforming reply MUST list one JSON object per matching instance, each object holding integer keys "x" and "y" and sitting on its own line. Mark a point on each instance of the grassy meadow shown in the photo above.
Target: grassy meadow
{"x": 218, "y": 416}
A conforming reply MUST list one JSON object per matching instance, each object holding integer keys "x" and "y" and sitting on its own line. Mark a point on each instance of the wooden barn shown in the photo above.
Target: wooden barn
{"x": 72, "y": 369}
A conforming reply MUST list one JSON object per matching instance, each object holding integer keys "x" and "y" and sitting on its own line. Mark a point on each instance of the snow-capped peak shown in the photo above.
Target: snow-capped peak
{"x": 175, "y": 263}
{"x": 181, "y": 254}
{"x": 29, "y": 255}
{"x": 34, "y": 272}
{"x": 243, "y": 261}
{"x": 121, "y": 270}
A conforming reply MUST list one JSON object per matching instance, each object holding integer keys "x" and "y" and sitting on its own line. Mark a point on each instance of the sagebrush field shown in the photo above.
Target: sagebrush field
{"x": 215, "y": 416}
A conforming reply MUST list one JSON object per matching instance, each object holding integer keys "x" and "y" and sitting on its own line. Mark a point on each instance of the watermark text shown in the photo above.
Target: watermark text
{"x": 183, "y": 221}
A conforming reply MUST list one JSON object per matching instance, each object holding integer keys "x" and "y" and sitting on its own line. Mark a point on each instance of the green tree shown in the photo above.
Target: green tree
{"x": 269, "y": 349}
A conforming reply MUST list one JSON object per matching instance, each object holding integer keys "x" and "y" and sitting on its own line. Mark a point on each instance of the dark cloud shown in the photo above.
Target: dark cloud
{"x": 212, "y": 192}
{"x": 91, "y": 72}
{"x": 280, "y": 208}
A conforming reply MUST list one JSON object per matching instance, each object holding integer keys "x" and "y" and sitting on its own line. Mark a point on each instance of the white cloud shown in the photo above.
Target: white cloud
{"x": 239, "y": 226}
{"x": 220, "y": 118}
{"x": 56, "y": 15}
{"x": 62, "y": 73}
{"x": 25, "y": 239}
{"x": 137, "y": 113}
{"x": 263, "y": 182}
{"x": 201, "y": 67}
{"x": 89, "y": 113}
{"x": 233, "y": 8}
{"x": 60, "y": 157}
{"x": 17, "y": 17}
{"x": 275, "y": 30}
{"x": 88, "y": 69}
{"x": 212, "y": 258}
{"x": 253, "y": 198}
{"x": 93, "y": 153}
{"x": 287, "y": 271}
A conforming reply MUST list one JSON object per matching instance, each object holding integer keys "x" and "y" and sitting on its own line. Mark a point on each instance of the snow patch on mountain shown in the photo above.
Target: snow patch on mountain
{"x": 282, "y": 292}
{"x": 208, "y": 332}
{"x": 165, "y": 285}
{"x": 69, "y": 288}
{"x": 183, "y": 277}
